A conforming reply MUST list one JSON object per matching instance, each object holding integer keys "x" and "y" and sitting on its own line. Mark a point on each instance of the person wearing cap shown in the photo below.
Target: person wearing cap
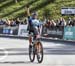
{"x": 33, "y": 25}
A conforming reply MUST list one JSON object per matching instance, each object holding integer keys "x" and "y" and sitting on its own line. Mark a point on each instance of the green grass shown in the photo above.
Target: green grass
{"x": 9, "y": 9}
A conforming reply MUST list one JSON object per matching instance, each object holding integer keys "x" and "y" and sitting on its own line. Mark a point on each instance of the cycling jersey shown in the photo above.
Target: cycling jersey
{"x": 33, "y": 23}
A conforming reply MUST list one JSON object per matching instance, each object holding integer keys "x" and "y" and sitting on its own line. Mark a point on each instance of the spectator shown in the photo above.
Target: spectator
{"x": 13, "y": 22}
{"x": 47, "y": 23}
{"x": 2, "y": 22}
{"x": 62, "y": 22}
{"x": 17, "y": 21}
{"x": 25, "y": 21}
{"x": 57, "y": 22}
{"x": 73, "y": 22}
{"x": 45, "y": 20}
{"x": 70, "y": 22}
{"x": 53, "y": 23}
{"x": 8, "y": 22}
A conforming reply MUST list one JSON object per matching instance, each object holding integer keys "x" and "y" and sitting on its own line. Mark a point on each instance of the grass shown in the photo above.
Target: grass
{"x": 48, "y": 8}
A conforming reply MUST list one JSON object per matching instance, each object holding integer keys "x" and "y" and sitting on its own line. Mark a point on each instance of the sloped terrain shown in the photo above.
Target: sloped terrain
{"x": 48, "y": 8}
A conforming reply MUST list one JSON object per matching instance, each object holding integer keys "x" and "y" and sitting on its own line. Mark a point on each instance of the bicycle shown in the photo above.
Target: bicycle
{"x": 37, "y": 49}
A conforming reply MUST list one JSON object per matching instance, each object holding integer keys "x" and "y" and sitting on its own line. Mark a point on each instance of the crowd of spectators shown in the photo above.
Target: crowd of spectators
{"x": 47, "y": 22}
{"x": 60, "y": 22}
{"x": 11, "y": 22}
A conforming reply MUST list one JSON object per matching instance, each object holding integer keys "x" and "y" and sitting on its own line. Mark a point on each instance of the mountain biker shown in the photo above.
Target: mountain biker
{"x": 33, "y": 26}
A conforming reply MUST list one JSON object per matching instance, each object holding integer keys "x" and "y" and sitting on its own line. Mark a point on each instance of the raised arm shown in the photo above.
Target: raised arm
{"x": 28, "y": 11}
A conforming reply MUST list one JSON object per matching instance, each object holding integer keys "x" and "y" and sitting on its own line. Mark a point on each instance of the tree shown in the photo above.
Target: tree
{"x": 46, "y": 13}
{"x": 16, "y": 1}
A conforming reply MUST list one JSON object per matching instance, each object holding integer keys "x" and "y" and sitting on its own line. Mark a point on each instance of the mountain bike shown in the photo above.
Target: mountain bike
{"x": 37, "y": 49}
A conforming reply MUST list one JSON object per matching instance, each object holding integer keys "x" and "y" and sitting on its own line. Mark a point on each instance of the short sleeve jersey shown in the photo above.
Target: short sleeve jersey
{"x": 33, "y": 22}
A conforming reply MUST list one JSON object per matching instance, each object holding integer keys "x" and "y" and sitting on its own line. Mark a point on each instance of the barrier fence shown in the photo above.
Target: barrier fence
{"x": 52, "y": 31}
{"x": 69, "y": 33}
{"x": 9, "y": 30}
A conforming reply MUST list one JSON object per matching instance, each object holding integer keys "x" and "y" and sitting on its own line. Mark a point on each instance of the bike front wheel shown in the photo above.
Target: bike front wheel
{"x": 39, "y": 52}
{"x": 31, "y": 54}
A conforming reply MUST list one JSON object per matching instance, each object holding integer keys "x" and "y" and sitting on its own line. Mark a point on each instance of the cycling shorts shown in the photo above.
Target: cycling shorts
{"x": 33, "y": 31}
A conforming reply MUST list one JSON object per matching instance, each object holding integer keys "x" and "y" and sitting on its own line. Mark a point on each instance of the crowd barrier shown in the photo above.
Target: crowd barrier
{"x": 22, "y": 31}
{"x": 8, "y": 30}
{"x": 52, "y": 31}
{"x": 69, "y": 33}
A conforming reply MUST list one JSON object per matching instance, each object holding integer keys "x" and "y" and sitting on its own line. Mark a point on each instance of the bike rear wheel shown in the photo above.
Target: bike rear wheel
{"x": 39, "y": 52}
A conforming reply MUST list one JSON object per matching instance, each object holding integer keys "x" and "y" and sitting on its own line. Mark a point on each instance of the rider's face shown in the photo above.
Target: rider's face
{"x": 35, "y": 16}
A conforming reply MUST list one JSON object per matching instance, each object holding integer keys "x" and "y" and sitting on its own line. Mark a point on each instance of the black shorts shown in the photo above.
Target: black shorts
{"x": 34, "y": 31}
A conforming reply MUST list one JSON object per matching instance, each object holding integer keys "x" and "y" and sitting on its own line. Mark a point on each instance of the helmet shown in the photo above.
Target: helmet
{"x": 34, "y": 14}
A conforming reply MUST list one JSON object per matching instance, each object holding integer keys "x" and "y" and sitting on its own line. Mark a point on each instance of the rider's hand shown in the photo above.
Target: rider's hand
{"x": 27, "y": 10}
{"x": 27, "y": 6}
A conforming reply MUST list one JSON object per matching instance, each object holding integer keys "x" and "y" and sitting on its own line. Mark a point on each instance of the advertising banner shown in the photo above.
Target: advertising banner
{"x": 10, "y": 30}
{"x": 69, "y": 33}
{"x": 22, "y": 30}
{"x": 1, "y": 30}
{"x": 53, "y": 31}
{"x": 68, "y": 11}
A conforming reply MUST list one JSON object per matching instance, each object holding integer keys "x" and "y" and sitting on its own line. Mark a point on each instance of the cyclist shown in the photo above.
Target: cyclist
{"x": 33, "y": 26}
